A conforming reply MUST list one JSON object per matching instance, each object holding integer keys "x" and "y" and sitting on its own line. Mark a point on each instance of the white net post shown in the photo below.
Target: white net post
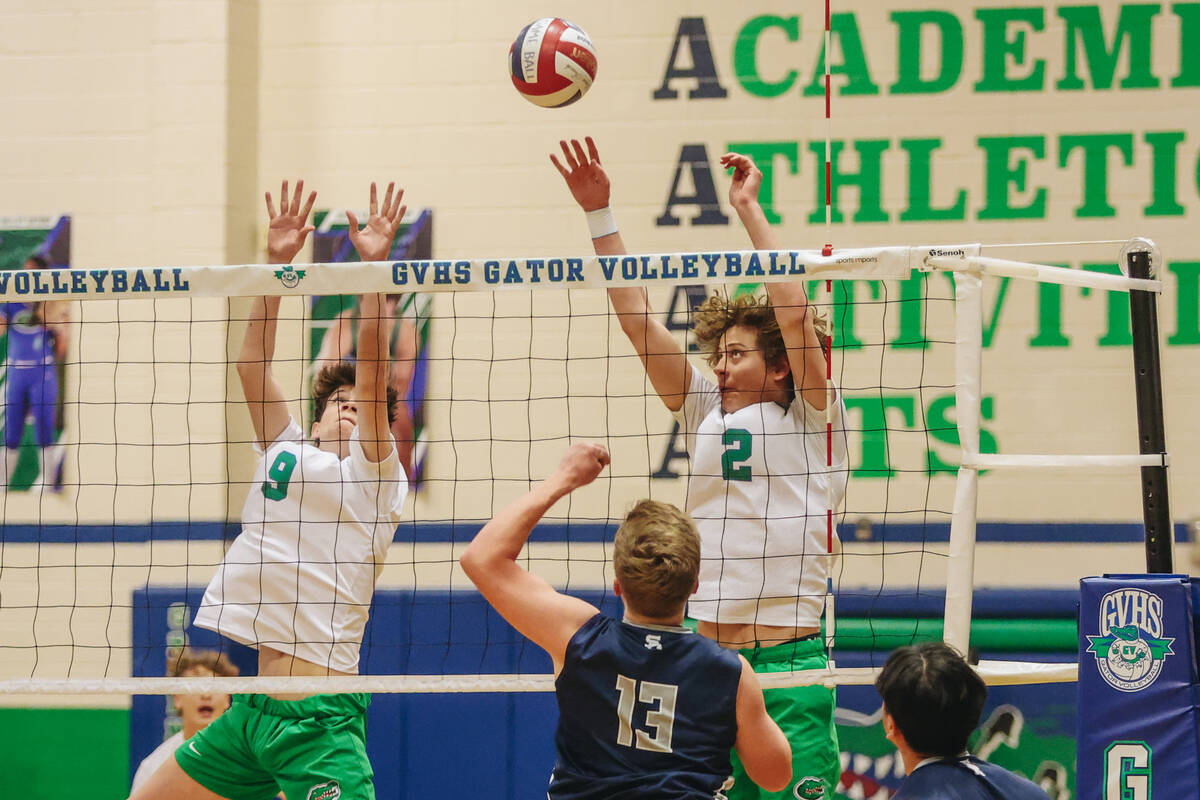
{"x": 960, "y": 571}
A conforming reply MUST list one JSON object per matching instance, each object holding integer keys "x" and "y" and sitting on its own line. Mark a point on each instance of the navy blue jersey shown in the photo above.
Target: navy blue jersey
{"x": 966, "y": 778}
{"x": 643, "y": 711}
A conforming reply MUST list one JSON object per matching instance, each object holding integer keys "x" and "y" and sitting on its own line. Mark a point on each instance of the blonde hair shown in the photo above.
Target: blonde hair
{"x": 718, "y": 313}
{"x": 656, "y": 556}
{"x": 182, "y": 660}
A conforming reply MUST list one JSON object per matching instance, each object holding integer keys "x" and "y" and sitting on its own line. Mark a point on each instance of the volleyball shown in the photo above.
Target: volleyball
{"x": 552, "y": 62}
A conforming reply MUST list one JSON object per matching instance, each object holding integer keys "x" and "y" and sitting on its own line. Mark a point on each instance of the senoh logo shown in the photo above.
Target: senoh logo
{"x": 1131, "y": 648}
{"x": 934, "y": 252}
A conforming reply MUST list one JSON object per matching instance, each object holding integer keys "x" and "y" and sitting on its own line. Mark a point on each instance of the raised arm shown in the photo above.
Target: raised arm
{"x": 761, "y": 745}
{"x": 789, "y": 300}
{"x": 404, "y": 359}
{"x": 526, "y": 601}
{"x": 371, "y": 367}
{"x": 57, "y": 318}
{"x": 338, "y": 340}
{"x": 664, "y": 360}
{"x": 286, "y": 234}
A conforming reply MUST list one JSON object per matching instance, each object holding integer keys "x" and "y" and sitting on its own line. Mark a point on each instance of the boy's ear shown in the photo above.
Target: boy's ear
{"x": 781, "y": 369}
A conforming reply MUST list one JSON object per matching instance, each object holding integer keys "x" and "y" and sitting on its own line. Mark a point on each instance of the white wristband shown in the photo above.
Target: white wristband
{"x": 601, "y": 222}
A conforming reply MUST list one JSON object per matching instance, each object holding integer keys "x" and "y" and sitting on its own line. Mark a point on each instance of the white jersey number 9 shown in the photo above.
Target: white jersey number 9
{"x": 280, "y": 474}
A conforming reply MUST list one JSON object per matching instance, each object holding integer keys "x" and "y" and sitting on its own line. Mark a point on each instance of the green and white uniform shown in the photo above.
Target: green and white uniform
{"x": 759, "y": 488}
{"x": 299, "y": 579}
{"x": 311, "y": 749}
{"x": 805, "y": 714}
{"x": 315, "y": 534}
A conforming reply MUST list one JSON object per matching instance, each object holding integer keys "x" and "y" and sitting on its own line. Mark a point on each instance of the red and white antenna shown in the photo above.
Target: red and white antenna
{"x": 827, "y": 250}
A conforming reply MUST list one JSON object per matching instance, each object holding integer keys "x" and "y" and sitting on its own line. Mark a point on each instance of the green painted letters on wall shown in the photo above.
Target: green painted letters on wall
{"x": 1005, "y": 36}
{"x": 745, "y": 55}
{"x": 909, "y": 53}
{"x": 868, "y": 180}
{"x": 1084, "y": 24}
{"x": 844, "y": 27}
{"x": 1006, "y": 168}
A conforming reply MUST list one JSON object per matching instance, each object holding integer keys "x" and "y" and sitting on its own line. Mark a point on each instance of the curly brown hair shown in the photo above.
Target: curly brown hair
{"x": 181, "y": 660}
{"x": 333, "y": 377}
{"x": 718, "y": 313}
{"x": 656, "y": 556}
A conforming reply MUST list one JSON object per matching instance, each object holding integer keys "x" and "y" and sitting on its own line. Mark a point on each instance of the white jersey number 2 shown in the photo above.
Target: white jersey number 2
{"x": 738, "y": 442}
{"x": 660, "y": 718}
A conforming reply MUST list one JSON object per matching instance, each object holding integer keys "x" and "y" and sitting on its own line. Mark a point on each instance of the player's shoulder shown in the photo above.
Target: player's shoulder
{"x": 807, "y": 417}
{"x": 603, "y": 630}
{"x": 155, "y": 759}
{"x": 701, "y": 391}
{"x": 966, "y": 779}
{"x": 291, "y": 436}
{"x": 590, "y": 635}
{"x": 599, "y": 624}
{"x": 1012, "y": 785}
{"x": 290, "y": 445}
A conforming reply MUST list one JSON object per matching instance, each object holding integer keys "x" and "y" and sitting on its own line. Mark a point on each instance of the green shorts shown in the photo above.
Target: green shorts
{"x": 805, "y": 714}
{"x": 311, "y": 749}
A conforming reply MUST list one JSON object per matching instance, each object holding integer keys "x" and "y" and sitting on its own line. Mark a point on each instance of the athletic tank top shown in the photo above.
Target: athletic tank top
{"x": 643, "y": 712}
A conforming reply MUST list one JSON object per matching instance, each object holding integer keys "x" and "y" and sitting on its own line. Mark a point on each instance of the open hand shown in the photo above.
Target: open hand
{"x": 289, "y": 226}
{"x": 374, "y": 241}
{"x": 747, "y": 178}
{"x": 584, "y": 176}
{"x": 581, "y": 464}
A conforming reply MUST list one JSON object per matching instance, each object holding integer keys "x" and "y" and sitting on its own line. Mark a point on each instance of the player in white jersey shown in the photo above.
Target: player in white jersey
{"x": 297, "y": 583}
{"x": 195, "y": 711}
{"x": 759, "y": 486}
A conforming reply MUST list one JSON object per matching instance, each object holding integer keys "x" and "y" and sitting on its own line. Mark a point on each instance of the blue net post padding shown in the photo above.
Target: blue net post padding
{"x": 1138, "y": 718}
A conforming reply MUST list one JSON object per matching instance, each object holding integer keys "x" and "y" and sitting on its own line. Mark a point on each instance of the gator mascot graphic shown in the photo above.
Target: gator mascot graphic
{"x": 329, "y": 790}
{"x": 1128, "y": 658}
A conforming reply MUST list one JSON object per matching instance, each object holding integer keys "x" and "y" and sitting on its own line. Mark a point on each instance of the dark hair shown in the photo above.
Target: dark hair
{"x": 933, "y": 696}
{"x": 341, "y": 373}
{"x": 39, "y": 260}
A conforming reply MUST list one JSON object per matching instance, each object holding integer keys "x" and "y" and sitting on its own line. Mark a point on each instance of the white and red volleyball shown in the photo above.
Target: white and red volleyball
{"x": 552, "y": 62}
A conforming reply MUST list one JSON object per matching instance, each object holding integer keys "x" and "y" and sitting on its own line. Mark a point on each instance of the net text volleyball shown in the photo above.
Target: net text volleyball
{"x": 689, "y": 266}
{"x": 102, "y": 281}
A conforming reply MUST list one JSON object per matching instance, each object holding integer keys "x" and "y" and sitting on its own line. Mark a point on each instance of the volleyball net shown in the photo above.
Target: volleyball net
{"x": 509, "y": 360}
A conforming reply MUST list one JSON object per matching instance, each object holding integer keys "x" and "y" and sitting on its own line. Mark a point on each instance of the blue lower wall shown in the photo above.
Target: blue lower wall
{"x": 501, "y": 745}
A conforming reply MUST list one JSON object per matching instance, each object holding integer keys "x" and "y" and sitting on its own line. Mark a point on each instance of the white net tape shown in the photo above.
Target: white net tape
{"x": 525, "y": 273}
{"x": 489, "y": 275}
{"x": 993, "y": 672}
